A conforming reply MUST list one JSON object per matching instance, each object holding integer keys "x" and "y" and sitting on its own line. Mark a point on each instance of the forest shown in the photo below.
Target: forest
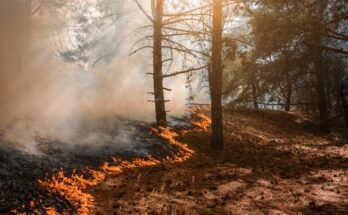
{"x": 174, "y": 107}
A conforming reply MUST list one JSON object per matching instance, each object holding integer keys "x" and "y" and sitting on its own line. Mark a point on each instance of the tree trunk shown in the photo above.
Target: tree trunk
{"x": 338, "y": 104}
{"x": 328, "y": 95}
{"x": 317, "y": 53}
{"x": 254, "y": 89}
{"x": 216, "y": 141}
{"x": 288, "y": 89}
{"x": 288, "y": 93}
{"x": 161, "y": 118}
{"x": 322, "y": 103}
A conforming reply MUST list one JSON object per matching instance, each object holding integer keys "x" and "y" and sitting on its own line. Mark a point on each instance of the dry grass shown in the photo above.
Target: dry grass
{"x": 274, "y": 163}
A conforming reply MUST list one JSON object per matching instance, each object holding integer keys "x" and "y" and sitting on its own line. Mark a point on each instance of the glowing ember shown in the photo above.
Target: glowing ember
{"x": 50, "y": 211}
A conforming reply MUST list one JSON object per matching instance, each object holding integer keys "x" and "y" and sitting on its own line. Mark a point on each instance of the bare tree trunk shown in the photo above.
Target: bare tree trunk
{"x": 288, "y": 89}
{"x": 328, "y": 95}
{"x": 288, "y": 93}
{"x": 321, "y": 96}
{"x": 217, "y": 141}
{"x": 209, "y": 78}
{"x": 254, "y": 89}
{"x": 319, "y": 73}
{"x": 338, "y": 104}
{"x": 161, "y": 118}
{"x": 319, "y": 67}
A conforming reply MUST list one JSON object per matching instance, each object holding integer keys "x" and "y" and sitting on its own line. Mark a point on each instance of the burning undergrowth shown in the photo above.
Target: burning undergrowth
{"x": 20, "y": 170}
{"x": 53, "y": 180}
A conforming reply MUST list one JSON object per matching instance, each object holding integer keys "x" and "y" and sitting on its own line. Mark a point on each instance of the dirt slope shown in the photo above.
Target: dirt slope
{"x": 274, "y": 163}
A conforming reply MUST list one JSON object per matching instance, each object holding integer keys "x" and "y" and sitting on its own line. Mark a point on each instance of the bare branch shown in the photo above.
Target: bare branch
{"x": 37, "y": 8}
{"x": 139, "y": 49}
{"x": 336, "y": 50}
{"x": 184, "y": 72}
{"x": 143, "y": 10}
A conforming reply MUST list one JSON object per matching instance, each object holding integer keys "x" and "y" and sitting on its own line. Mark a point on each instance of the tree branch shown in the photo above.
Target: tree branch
{"x": 336, "y": 50}
{"x": 143, "y": 10}
{"x": 185, "y": 71}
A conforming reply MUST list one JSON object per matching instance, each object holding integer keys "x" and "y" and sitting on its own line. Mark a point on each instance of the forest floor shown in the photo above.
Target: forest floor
{"x": 274, "y": 163}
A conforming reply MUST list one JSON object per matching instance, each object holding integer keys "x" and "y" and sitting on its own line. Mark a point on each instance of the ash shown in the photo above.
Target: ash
{"x": 20, "y": 170}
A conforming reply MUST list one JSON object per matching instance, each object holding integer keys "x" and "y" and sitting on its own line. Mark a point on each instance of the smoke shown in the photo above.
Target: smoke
{"x": 42, "y": 95}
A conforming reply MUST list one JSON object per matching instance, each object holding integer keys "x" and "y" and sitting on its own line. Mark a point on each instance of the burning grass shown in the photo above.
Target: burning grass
{"x": 73, "y": 187}
{"x": 266, "y": 168}
{"x": 203, "y": 122}
{"x": 184, "y": 152}
{"x": 199, "y": 119}
{"x": 256, "y": 174}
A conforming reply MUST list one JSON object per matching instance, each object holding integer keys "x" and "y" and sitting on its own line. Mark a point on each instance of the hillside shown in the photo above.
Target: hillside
{"x": 274, "y": 163}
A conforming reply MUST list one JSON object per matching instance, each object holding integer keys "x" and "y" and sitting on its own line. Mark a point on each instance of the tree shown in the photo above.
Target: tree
{"x": 166, "y": 37}
{"x": 217, "y": 139}
{"x": 161, "y": 118}
{"x": 295, "y": 57}
{"x": 157, "y": 57}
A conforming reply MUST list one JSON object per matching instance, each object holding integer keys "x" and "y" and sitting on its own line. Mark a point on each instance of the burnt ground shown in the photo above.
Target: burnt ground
{"x": 274, "y": 163}
{"x": 20, "y": 171}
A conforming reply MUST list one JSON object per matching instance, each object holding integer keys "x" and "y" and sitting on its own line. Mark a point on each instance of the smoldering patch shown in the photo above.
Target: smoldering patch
{"x": 87, "y": 137}
{"x": 98, "y": 143}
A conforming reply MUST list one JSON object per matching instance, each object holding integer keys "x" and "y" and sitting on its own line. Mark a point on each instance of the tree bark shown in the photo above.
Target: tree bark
{"x": 288, "y": 88}
{"x": 317, "y": 53}
{"x": 216, "y": 141}
{"x": 161, "y": 118}
{"x": 254, "y": 89}
{"x": 338, "y": 104}
{"x": 288, "y": 93}
{"x": 322, "y": 103}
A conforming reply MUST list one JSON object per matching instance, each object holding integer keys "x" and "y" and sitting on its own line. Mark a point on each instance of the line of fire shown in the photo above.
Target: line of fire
{"x": 174, "y": 107}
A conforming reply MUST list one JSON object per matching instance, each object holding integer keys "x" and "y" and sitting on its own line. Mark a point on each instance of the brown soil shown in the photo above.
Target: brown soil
{"x": 274, "y": 163}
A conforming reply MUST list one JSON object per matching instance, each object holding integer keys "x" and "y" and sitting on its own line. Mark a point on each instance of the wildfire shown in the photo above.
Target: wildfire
{"x": 184, "y": 152}
{"x": 199, "y": 120}
{"x": 73, "y": 187}
{"x": 203, "y": 122}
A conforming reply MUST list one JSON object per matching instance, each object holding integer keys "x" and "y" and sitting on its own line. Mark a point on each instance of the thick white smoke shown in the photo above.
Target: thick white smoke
{"x": 47, "y": 97}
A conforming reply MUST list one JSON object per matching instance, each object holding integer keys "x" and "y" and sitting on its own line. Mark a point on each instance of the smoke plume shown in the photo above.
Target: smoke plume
{"x": 43, "y": 95}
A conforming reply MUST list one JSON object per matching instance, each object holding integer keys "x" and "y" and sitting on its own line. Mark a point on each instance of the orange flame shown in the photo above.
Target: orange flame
{"x": 203, "y": 123}
{"x": 73, "y": 187}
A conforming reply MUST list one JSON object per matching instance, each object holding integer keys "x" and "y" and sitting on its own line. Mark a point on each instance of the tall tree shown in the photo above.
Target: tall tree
{"x": 171, "y": 30}
{"x": 217, "y": 140}
{"x": 299, "y": 48}
{"x": 158, "y": 62}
